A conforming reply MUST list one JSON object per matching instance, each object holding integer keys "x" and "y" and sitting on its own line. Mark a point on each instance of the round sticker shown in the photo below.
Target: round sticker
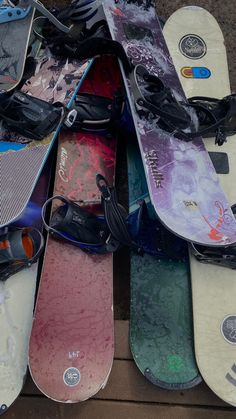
{"x": 192, "y": 46}
{"x": 228, "y": 329}
{"x": 71, "y": 377}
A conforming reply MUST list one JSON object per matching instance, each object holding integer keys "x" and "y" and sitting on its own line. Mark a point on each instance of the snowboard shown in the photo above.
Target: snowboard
{"x": 196, "y": 43}
{"x": 72, "y": 341}
{"x": 21, "y": 160}
{"x": 16, "y": 306}
{"x": 15, "y": 30}
{"x": 182, "y": 182}
{"x": 161, "y": 331}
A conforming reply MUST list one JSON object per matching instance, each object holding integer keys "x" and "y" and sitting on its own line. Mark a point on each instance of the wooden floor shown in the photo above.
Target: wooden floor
{"x": 127, "y": 395}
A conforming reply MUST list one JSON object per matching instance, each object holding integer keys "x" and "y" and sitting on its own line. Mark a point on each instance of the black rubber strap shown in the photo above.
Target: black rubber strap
{"x": 97, "y": 112}
{"x": 97, "y": 46}
{"x": 113, "y": 216}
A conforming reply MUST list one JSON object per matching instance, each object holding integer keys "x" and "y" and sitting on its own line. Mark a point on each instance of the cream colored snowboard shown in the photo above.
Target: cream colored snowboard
{"x": 16, "y": 316}
{"x": 196, "y": 45}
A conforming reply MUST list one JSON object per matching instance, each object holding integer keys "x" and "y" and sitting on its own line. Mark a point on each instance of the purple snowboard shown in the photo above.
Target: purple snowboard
{"x": 182, "y": 181}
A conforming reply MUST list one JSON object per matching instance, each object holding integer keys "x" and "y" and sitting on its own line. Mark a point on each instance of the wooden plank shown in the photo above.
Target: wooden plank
{"x": 128, "y": 384}
{"x": 41, "y": 408}
{"x": 122, "y": 348}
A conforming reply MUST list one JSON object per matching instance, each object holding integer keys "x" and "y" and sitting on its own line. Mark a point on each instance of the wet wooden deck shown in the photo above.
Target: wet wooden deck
{"x": 127, "y": 395}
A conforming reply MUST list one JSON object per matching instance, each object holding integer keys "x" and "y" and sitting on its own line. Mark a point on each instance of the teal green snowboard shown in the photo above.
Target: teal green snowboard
{"x": 161, "y": 333}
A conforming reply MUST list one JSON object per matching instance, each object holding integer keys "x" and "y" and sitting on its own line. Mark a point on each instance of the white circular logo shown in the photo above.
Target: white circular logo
{"x": 71, "y": 376}
{"x": 192, "y": 46}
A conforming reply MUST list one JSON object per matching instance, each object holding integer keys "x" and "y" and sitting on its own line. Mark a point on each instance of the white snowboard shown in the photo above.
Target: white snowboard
{"x": 197, "y": 47}
{"x": 16, "y": 316}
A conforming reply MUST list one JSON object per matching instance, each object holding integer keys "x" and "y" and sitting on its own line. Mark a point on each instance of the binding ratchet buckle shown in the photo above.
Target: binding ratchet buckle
{"x": 70, "y": 118}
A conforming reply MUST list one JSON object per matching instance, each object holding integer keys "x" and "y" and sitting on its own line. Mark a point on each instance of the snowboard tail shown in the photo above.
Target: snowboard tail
{"x": 161, "y": 335}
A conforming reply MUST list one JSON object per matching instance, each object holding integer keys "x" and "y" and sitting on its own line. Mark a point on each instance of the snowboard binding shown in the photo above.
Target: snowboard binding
{"x": 217, "y": 117}
{"x": 85, "y": 43}
{"x": 73, "y": 223}
{"x": 92, "y": 234}
{"x": 19, "y": 248}
{"x": 81, "y": 41}
{"x": 199, "y": 116}
{"x": 103, "y": 234}
{"x": 32, "y": 117}
{"x": 217, "y": 256}
{"x": 153, "y": 99}
{"x": 97, "y": 112}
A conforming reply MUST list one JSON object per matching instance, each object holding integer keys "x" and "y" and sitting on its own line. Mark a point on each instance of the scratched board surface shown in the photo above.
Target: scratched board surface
{"x": 21, "y": 160}
{"x": 14, "y": 38}
{"x": 182, "y": 182}
{"x": 72, "y": 342}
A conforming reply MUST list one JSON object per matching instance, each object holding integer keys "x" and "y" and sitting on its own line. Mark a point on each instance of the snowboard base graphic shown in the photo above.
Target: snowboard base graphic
{"x": 191, "y": 33}
{"x": 14, "y": 40}
{"x": 21, "y": 160}
{"x": 182, "y": 182}
{"x": 72, "y": 340}
{"x": 161, "y": 332}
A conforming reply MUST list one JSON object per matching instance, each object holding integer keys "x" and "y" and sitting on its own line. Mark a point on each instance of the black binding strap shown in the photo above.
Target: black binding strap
{"x": 85, "y": 43}
{"x": 113, "y": 215}
{"x": 152, "y": 97}
{"x": 217, "y": 117}
{"x": 97, "y": 46}
{"x": 97, "y": 112}
{"x": 29, "y": 116}
{"x": 216, "y": 256}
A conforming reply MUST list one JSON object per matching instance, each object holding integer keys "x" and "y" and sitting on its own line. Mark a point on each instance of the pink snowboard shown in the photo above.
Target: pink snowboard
{"x": 72, "y": 341}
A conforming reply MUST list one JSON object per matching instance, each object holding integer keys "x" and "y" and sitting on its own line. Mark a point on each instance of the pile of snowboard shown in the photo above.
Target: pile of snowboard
{"x": 185, "y": 187}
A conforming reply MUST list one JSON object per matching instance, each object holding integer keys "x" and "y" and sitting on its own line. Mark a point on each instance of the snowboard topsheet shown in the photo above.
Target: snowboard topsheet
{"x": 196, "y": 43}
{"x": 72, "y": 340}
{"x": 17, "y": 302}
{"x": 183, "y": 186}
{"x": 161, "y": 332}
{"x": 14, "y": 39}
{"x": 22, "y": 160}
